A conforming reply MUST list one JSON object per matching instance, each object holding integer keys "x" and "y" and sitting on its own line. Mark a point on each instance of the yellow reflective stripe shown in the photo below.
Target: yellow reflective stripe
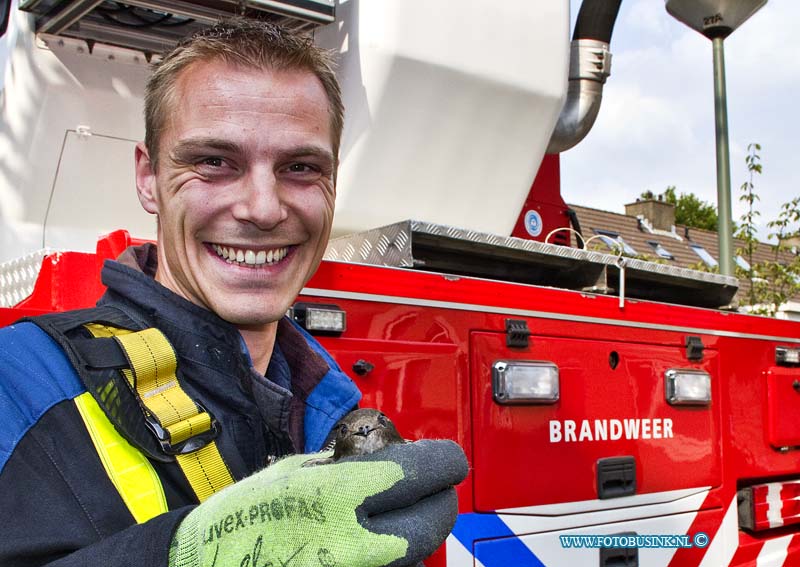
{"x": 129, "y": 470}
{"x": 153, "y": 377}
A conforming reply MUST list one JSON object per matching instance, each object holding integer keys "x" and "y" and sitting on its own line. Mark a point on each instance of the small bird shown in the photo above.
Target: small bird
{"x": 360, "y": 432}
{"x": 364, "y": 431}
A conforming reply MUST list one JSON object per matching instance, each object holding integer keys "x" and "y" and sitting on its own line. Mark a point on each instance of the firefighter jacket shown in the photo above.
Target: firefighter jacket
{"x": 58, "y": 506}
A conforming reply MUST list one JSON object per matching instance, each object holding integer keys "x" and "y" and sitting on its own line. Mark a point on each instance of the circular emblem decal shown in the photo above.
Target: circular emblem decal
{"x": 533, "y": 223}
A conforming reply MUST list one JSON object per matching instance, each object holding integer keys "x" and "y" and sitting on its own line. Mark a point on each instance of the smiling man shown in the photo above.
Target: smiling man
{"x": 156, "y": 429}
{"x": 243, "y": 186}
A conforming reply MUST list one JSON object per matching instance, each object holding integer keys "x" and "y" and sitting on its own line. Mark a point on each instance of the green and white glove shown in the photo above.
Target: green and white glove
{"x": 389, "y": 508}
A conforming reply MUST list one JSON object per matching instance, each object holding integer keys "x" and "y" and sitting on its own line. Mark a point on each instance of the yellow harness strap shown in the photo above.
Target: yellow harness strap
{"x": 173, "y": 416}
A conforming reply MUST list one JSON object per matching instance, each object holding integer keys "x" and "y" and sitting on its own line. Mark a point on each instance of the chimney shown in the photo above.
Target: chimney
{"x": 793, "y": 242}
{"x": 660, "y": 214}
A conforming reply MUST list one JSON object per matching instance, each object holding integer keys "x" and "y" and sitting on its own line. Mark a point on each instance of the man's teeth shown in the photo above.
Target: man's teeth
{"x": 250, "y": 257}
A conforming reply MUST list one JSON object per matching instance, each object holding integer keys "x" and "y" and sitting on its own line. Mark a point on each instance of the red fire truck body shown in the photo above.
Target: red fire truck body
{"x": 421, "y": 346}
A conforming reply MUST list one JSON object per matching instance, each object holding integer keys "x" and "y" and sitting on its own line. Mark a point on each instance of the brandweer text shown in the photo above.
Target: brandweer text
{"x": 571, "y": 431}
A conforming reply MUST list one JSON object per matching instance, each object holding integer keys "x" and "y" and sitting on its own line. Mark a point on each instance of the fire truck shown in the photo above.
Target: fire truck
{"x": 613, "y": 411}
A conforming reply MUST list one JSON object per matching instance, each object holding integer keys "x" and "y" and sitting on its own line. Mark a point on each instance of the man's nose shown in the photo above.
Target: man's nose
{"x": 260, "y": 202}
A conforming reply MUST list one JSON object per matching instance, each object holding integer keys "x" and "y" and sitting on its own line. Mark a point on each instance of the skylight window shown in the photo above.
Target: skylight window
{"x": 660, "y": 250}
{"x": 742, "y": 263}
{"x": 614, "y": 241}
{"x": 704, "y": 255}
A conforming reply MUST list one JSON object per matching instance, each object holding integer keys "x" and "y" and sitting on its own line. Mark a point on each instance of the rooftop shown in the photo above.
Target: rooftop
{"x": 679, "y": 246}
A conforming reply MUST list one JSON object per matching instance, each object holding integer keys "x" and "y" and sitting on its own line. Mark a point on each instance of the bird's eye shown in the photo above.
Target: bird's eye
{"x": 382, "y": 419}
{"x": 343, "y": 429}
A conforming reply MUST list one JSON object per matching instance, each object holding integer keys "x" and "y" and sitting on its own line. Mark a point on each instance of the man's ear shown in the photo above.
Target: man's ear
{"x": 146, "y": 180}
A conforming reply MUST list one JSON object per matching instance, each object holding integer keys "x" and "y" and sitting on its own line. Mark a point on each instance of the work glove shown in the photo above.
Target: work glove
{"x": 389, "y": 508}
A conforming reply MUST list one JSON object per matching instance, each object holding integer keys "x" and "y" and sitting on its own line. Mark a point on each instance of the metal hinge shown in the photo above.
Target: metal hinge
{"x": 517, "y": 333}
{"x": 694, "y": 348}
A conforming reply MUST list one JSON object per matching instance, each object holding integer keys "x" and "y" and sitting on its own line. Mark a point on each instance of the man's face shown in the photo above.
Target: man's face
{"x": 244, "y": 190}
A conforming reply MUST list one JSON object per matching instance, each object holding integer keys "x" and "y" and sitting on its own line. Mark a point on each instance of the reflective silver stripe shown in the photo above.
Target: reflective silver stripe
{"x": 537, "y": 314}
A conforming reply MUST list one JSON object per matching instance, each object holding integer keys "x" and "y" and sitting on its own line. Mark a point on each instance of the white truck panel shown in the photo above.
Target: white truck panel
{"x": 450, "y": 105}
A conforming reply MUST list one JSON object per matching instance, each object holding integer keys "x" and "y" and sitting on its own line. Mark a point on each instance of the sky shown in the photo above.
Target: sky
{"x": 656, "y": 123}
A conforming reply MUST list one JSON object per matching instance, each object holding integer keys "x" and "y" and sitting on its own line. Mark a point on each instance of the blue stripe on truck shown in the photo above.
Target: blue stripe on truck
{"x": 492, "y": 541}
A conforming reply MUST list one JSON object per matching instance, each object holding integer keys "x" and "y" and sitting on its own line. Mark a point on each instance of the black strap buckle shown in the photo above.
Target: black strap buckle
{"x": 189, "y": 445}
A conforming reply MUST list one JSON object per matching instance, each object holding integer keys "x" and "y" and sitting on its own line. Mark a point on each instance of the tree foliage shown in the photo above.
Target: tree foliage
{"x": 773, "y": 281}
{"x": 689, "y": 209}
{"x": 777, "y": 279}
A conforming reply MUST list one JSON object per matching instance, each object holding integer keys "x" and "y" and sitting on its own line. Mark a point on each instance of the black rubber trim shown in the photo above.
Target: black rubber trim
{"x": 576, "y": 225}
{"x": 5, "y": 16}
{"x": 596, "y": 20}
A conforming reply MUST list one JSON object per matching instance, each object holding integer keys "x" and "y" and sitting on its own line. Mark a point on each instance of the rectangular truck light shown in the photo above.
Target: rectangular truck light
{"x": 319, "y": 318}
{"x": 687, "y": 387}
{"x": 525, "y": 382}
{"x": 771, "y": 505}
{"x": 786, "y": 356}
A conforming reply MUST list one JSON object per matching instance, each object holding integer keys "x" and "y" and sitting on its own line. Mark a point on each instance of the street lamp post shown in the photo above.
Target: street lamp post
{"x": 716, "y": 20}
